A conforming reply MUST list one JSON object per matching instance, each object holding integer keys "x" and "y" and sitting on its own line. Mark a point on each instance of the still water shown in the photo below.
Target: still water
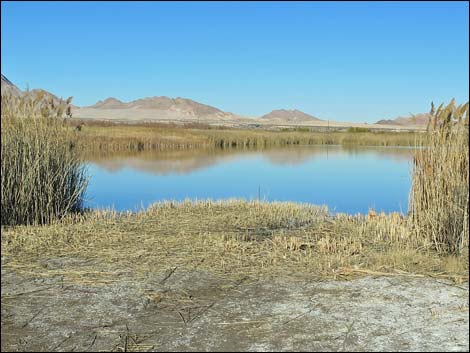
{"x": 346, "y": 179}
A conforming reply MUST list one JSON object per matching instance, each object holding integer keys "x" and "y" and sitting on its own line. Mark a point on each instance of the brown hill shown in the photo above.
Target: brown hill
{"x": 290, "y": 116}
{"x": 41, "y": 93}
{"x": 9, "y": 88}
{"x": 154, "y": 109}
{"x": 181, "y": 105}
{"x": 109, "y": 103}
{"x": 386, "y": 122}
{"x": 418, "y": 119}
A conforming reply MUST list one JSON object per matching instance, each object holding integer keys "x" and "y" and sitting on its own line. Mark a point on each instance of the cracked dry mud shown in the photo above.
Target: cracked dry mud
{"x": 193, "y": 310}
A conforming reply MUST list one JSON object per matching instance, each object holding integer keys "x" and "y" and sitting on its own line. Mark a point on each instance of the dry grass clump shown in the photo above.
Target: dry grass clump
{"x": 440, "y": 190}
{"x": 232, "y": 238}
{"x": 42, "y": 178}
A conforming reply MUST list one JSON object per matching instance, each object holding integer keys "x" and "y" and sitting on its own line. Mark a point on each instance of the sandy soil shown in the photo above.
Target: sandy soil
{"x": 191, "y": 310}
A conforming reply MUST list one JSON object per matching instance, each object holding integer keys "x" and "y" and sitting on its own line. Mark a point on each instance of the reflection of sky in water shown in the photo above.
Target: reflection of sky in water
{"x": 345, "y": 181}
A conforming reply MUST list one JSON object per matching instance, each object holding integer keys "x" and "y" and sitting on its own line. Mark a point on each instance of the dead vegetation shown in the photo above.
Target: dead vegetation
{"x": 42, "y": 176}
{"x": 108, "y": 137}
{"x": 232, "y": 238}
{"x": 440, "y": 191}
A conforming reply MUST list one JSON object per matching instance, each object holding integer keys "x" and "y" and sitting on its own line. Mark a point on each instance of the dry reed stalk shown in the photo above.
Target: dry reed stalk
{"x": 439, "y": 197}
{"x": 42, "y": 178}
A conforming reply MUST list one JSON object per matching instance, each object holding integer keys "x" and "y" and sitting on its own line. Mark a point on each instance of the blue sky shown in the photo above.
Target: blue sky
{"x": 340, "y": 61}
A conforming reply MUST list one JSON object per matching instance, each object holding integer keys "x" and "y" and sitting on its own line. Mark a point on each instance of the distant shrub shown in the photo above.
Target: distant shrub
{"x": 358, "y": 129}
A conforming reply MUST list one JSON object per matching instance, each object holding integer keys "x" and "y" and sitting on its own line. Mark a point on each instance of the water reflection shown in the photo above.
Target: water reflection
{"x": 187, "y": 161}
{"x": 347, "y": 179}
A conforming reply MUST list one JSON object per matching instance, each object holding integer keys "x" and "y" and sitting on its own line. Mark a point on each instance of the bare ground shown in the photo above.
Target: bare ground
{"x": 176, "y": 309}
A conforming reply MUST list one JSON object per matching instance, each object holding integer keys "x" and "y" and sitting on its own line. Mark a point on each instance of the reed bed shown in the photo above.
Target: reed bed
{"x": 440, "y": 191}
{"x": 120, "y": 137}
{"x": 42, "y": 177}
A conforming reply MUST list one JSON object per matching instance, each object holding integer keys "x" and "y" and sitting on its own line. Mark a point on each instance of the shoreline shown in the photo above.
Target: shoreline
{"x": 229, "y": 275}
{"x": 308, "y": 233}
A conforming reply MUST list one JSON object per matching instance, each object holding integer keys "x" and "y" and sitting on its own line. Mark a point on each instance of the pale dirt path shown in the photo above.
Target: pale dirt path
{"x": 196, "y": 311}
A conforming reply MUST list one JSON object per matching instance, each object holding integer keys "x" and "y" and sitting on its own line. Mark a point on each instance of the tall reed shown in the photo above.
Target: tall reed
{"x": 148, "y": 137}
{"x": 440, "y": 192}
{"x": 42, "y": 177}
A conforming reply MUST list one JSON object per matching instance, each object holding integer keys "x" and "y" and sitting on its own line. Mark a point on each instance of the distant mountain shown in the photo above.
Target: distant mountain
{"x": 290, "y": 116}
{"x": 45, "y": 95}
{"x": 418, "y": 119}
{"x": 386, "y": 122}
{"x": 108, "y": 103}
{"x": 183, "y": 110}
{"x": 9, "y": 88}
{"x": 148, "y": 109}
{"x": 152, "y": 109}
{"x": 182, "y": 105}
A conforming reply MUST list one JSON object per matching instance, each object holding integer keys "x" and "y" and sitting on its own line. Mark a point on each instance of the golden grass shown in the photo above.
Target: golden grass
{"x": 42, "y": 177}
{"x": 440, "y": 190}
{"x": 232, "y": 238}
{"x": 122, "y": 137}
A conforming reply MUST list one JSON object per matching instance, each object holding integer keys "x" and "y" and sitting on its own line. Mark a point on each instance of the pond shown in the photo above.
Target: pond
{"x": 346, "y": 179}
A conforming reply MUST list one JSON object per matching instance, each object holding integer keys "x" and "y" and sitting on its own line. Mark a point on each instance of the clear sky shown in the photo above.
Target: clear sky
{"x": 340, "y": 61}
